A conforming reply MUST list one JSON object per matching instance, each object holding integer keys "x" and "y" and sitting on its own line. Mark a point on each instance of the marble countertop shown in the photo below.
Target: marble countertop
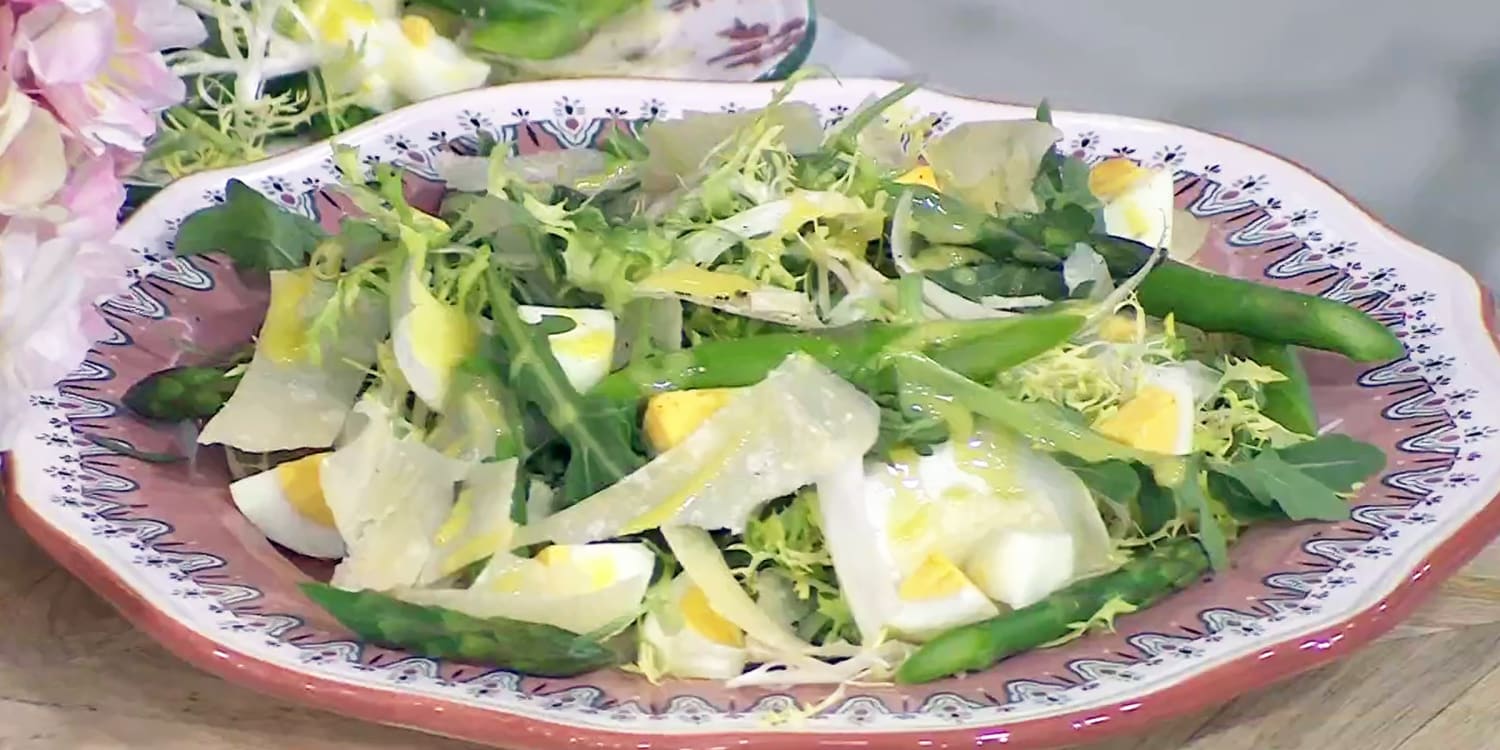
{"x": 1398, "y": 104}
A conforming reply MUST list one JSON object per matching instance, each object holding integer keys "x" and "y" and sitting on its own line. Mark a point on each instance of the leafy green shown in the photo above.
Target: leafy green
{"x": 1044, "y": 112}
{"x": 1271, "y": 480}
{"x": 534, "y": 29}
{"x": 1049, "y": 426}
{"x": 1102, "y": 620}
{"x": 1192, "y": 499}
{"x": 1240, "y": 501}
{"x": 256, "y": 233}
{"x": 1155, "y": 507}
{"x": 529, "y": 648}
{"x": 601, "y": 438}
{"x": 1301, "y": 482}
{"x": 1339, "y": 462}
{"x": 786, "y": 538}
{"x": 1113, "y": 480}
{"x": 1062, "y": 180}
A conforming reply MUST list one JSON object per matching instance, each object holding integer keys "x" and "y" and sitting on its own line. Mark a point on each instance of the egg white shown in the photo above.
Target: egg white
{"x": 585, "y": 352}
{"x": 1144, "y": 211}
{"x": 684, "y": 645}
{"x": 266, "y": 499}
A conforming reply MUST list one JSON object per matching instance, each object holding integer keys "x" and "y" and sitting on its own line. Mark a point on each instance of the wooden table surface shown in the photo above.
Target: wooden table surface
{"x": 74, "y": 676}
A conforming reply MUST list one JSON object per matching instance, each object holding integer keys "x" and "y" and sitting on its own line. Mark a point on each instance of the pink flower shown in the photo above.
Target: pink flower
{"x": 51, "y": 279}
{"x": 32, "y": 165}
{"x": 98, "y": 66}
{"x": 94, "y": 192}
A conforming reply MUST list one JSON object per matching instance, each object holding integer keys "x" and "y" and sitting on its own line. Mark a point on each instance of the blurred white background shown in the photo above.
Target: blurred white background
{"x": 1397, "y": 103}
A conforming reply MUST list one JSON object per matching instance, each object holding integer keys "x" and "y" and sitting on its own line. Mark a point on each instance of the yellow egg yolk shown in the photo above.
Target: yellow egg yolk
{"x": 418, "y": 30}
{"x": 301, "y": 484}
{"x": 1114, "y": 177}
{"x": 937, "y": 577}
{"x": 671, "y": 417}
{"x": 708, "y": 623}
{"x": 1148, "y": 421}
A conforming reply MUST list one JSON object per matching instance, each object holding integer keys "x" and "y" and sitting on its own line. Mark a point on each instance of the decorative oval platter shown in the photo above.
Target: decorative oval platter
{"x": 165, "y": 544}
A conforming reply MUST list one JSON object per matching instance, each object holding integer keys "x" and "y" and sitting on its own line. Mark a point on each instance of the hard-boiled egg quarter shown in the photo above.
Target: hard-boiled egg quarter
{"x": 927, "y": 542}
{"x": 1159, "y": 415}
{"x": 1062, "y": 539}
{"x": 286, "y": 503}
{"x": 935, "y": 597}
{"x": 1138, "y": 202}
{"x": 385, "y": 60}
{"x": 690, "y": 639}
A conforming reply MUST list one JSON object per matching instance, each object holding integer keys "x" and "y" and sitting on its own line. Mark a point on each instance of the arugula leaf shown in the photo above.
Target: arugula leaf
{"x": 256, "y": 233}
{"x": 1155, "y": 506}
{"x": 1337, "y": 461}
{"x": 600, "y": 436}
{"x": 1243, "y": 504}
{"x": 1114, "y": 480}
{"x": 528, "y": 648}
{"x": 1273, "y": 480}
{"x": 1191, "y": 498}
{"x": 1044, "y": 112}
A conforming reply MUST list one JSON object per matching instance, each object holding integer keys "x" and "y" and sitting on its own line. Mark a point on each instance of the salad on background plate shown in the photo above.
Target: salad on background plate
{"x": 275, "y": 74}
{"x": 742, "y": 400}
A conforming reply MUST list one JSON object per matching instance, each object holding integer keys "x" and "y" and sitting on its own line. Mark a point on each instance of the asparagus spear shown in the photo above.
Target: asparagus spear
{"x": 525, "y": 647}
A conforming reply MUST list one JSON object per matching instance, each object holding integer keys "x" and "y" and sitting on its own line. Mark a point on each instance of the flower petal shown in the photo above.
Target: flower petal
{"x": 63, "y": 47}
{"x": 32, "y": 163}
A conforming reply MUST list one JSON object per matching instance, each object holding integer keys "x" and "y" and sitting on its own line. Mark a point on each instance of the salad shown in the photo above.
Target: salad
{"x": 736, "y": 398}
{"x": 276, "y": 71}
